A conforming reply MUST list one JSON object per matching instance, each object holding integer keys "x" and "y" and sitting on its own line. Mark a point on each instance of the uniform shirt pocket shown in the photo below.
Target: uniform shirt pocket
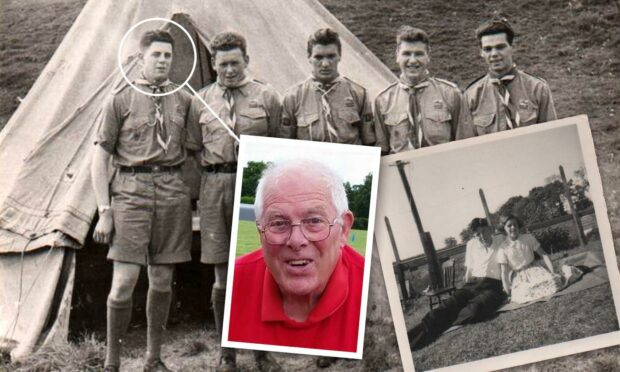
{"x": 437, "y": 126}
{"x": 347, "y": 125}
{"x": 527, "y": 114}
{"x": 134, "y": 133}
{"x": 305, "y": 122}
{"x": 483, "y": 122}
{"x": 398, "y": 128}
{"x": 252, "y": 121}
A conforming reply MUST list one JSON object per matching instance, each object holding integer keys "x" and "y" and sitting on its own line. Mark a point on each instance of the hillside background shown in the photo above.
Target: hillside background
{"x": 573, "y": 44}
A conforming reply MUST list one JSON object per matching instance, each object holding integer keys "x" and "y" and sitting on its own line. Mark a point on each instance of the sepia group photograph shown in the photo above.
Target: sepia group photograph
{"x": 296, "y": 185}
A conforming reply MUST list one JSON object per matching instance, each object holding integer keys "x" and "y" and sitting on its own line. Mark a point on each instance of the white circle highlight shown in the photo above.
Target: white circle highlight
{"x": 120, "y": 61}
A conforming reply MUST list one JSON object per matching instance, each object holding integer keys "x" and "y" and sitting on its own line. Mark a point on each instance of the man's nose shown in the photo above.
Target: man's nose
{"x": 325, "y": 62}
{"x": 297, "y": 239}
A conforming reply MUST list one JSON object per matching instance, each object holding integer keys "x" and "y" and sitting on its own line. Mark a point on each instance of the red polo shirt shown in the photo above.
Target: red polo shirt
{"x": 257, "y": 315}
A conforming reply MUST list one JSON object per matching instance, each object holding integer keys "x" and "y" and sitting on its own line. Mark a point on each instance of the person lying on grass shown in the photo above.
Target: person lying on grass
{"x": 477, "y": 300}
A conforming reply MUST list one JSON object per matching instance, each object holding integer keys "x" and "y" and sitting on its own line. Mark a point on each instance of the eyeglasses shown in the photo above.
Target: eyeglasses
{"x": 279, "y": 231}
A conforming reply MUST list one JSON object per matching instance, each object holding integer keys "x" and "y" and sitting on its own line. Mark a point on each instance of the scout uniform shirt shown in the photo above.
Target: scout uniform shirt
{"x": 139, "y": 129}
{"x": 514, "y": 100}
{"x": 337, "y": 112}
{"x": 254, "y": 109}
{"x": 429, "y": 113}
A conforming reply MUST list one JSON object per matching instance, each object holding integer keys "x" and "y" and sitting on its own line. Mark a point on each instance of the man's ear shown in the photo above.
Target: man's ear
{"x": 247, "y": 59}
{"x": 347, "y": 223}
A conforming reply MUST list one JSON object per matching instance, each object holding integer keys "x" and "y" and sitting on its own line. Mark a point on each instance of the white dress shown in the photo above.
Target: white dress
{"x": 529, "y": 281}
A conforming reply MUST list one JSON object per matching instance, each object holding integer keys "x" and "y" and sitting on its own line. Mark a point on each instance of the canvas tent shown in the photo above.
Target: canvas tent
{"x": 46, "y": 202}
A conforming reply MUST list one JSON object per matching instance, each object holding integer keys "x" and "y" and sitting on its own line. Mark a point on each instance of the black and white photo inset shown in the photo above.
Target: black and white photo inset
{"x": 497, "y": 251}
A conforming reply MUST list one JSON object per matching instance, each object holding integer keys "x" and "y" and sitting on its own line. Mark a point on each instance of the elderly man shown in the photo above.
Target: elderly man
{"x": 327, "y": 107}
{"x": 505, "y": 97}
{"x": 418, "y": 110}
{"x": 147, "y": 220}
{"x": 478, "y": 299}
{"x": 247, "y": 106}
{"x": 303, "y": 287}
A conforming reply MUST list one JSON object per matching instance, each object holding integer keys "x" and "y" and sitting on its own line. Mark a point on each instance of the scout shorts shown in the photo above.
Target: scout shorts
{"x": 152, "y": 218}
{"x": 216, "y": 209}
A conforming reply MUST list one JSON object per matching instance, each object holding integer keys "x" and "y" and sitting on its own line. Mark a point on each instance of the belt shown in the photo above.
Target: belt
{"x": 220, "y": 168}
{"x": 149, "y": 169}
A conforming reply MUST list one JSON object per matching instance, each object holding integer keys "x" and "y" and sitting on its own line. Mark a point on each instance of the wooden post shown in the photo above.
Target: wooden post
{"x": 399, "y": 270}
{"x": 427, "y": 243}
{"x": 576, "y": 220}
{"x": 486, "y": 209}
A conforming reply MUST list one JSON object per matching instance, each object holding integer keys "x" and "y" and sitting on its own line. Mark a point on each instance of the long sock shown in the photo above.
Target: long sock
{"x": 157, "y": 307}
{"x": 218, "y": 297}
{"x": 118, "y": 317}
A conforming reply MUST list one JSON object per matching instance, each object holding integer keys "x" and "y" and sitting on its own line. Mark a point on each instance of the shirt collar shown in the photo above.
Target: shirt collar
{"x": 242, "y": 86}
{"x": 333, "y": 297}
{"x": 325, "y": 86}
{"x": 421, "y": 84}
{"x": 142, "y": 80}
{"x": 507, "y": 77}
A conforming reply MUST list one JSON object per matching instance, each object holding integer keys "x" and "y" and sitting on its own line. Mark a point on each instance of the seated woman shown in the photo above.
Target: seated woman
{"x": 528, "y": 281}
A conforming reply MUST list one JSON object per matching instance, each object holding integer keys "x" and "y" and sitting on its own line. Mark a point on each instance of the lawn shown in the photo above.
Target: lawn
{"x": 247, "y": 238}
{"x": 573, "y": 316}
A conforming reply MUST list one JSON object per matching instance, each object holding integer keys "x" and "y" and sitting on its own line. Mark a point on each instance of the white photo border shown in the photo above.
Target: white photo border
{"x": 317, "y": 147}
{"x": 600, "y": 210}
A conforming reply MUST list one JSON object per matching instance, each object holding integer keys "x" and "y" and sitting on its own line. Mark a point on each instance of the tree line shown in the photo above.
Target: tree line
{"x": 358, "y": 195}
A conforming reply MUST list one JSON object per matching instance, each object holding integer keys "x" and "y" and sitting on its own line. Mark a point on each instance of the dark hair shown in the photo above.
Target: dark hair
{"x": 477, "y": 223}
{"x": 503, "y": 220}
{"x": 495, "y": 26}
{"x": 229, "y": 40}
{"x": 324, "y": 36}
{"x": 412, "y": 34}
{"x": 152, "y": 36}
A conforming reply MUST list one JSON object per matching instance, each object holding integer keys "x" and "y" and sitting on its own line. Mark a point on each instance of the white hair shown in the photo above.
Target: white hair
{"x": 310, "y": 168}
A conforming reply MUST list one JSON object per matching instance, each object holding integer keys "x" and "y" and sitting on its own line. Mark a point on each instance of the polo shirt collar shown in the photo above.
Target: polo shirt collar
{"x": 333, "y": 297}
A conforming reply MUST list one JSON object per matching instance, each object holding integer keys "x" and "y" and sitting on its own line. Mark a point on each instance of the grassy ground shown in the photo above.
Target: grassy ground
{"x": 573, "y": 44}
{"x": 565, "y": 318}
{"x": 247, "y": 238}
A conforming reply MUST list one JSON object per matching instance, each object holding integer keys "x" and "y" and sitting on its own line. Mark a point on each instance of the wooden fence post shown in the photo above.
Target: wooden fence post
{"x": 399, "y": 270}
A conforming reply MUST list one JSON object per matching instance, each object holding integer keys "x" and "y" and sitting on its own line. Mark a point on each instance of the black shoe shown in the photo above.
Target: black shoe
{"x": 155, "y": 366}
{"x": 110, "y": 368}
{"x": 266, "y": 362}
{"x": 418, "y": 337}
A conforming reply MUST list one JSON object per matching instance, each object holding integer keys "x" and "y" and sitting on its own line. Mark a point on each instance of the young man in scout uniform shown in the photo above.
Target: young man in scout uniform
{"x": 145, "y": 213}
{"x": 247, "y": 106}
{"x": 505, "y": 97}
{"x": 418, "y": 110}
{"x": 327, "y": 107}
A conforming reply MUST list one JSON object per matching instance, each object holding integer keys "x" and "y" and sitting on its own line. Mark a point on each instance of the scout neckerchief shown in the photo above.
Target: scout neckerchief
{"x": 501, "y": 84}
{"x": 413, "y": 113}
{"x": 229, "y": 99}
{"x": 326, "y": 111}
{"x": 163, "y": 139}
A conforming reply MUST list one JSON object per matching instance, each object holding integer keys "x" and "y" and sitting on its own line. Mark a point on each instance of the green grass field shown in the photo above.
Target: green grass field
{"x": 247, "y": 238}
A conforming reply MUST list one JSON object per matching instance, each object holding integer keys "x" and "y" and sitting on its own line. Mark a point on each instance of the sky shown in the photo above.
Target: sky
{"x": 351, "y": 162}
{"x": 445, "y": 184}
